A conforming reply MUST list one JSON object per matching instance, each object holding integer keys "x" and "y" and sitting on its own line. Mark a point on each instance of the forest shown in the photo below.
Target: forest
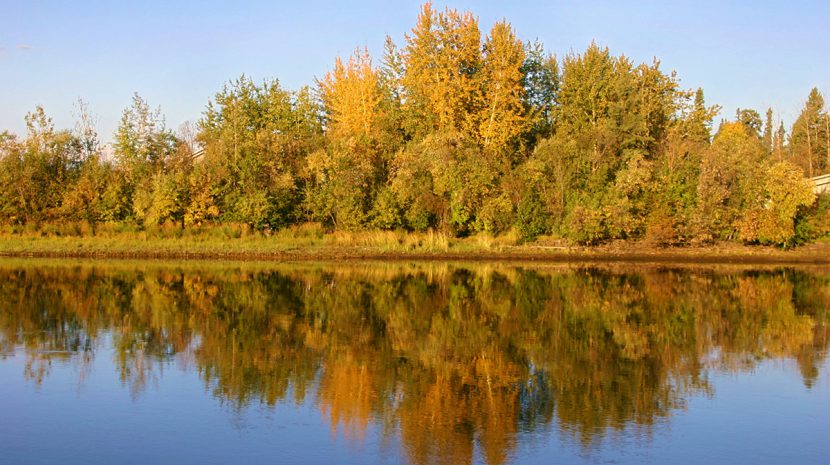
{"x": 453, "y": 130}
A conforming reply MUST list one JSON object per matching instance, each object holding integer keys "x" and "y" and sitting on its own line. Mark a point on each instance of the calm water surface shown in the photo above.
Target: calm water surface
{"x": 198, "y": 363}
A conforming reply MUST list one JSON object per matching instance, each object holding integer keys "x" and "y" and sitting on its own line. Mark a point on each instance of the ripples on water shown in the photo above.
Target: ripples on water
{"x": 419, "y": 363}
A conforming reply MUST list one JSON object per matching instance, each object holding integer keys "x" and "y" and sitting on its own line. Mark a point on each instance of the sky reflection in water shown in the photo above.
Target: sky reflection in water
{"x": 416, "y": 363}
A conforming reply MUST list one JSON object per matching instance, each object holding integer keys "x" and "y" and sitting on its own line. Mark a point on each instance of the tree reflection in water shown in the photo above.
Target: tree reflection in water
{"x": 449, "y": 357}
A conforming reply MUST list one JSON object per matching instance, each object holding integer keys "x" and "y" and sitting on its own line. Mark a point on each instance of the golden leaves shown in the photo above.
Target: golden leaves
{"x": 351, "y": 97}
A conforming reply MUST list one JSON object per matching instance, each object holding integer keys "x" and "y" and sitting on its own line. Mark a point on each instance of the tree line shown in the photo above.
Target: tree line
{"x": 454, "y": 130}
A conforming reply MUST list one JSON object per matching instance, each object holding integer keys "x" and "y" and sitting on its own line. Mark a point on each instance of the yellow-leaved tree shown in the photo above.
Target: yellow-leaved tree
{"x": 502, "y": 117}
{"x": 443, "y": 59}
{"x": 351, "y": 97}
{"x": 345, "y": 176}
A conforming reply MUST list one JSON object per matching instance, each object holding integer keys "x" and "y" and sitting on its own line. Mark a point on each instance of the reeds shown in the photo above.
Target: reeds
{"x": 79, "y": 238}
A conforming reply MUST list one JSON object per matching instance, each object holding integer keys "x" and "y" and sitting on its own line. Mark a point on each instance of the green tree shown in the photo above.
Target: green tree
{"x": 143, "y": 147}
{"x": 541, "y": 80}
{"x": 699, "y": 126}
{"x": 12, "y": 203}
{"x": 614, "y": 118}
{"x": 256, "y": 138}
{"x": 550, "y": 173}
{"x": 84, "y": 200}
{"x": 343, "y": 182}
{"x": 445, "y": 182}
{"x": 398, "y": 125}
{"x": 169, "y": 196}
{"x": 37, "y": 170}
{"x": 809, "y": 136}
{"x": 751, "y": 120}
{"x": 142, "y": 142}
{"x": 768, "y": 130}
{"x": 731, "y": 180}
{"x": 677, "y": 163}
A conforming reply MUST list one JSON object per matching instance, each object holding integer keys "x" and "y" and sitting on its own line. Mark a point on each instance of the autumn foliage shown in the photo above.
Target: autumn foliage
{"x": 453, "y": 129}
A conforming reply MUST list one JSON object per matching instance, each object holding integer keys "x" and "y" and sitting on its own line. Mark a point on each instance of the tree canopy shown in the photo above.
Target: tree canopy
{"x": 455, "y": 130}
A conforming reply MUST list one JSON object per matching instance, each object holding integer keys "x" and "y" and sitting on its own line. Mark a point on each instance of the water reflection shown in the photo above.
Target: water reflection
{"x": 451, "y": 359}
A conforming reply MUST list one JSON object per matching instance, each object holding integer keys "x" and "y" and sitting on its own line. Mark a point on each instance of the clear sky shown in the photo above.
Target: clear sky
{"x": 177, "y": 54}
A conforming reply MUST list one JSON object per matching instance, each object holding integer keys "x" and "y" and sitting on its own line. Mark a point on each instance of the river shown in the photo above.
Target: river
{"x": 446, "y": 363}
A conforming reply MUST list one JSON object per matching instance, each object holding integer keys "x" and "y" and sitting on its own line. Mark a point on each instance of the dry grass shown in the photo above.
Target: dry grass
{"x": 73, "y": 239}
{"x": 311, "y": 242}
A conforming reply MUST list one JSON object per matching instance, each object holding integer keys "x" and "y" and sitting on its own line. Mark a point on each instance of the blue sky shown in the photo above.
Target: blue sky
{"x": 748, "y": 54}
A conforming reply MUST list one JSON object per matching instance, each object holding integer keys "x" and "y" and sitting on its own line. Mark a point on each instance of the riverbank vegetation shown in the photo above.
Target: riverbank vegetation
{"x": 454, "y": 133}
{"x": 311, "y": 242}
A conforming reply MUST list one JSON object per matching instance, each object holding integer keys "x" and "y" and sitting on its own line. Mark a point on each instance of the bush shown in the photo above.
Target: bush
{"x": 495, "y": 216}
{"x": 661, "y": 231}
{"x": 584, "y": 225}
{"x": 532, "y": 220}
{"x": 785, "y": 192}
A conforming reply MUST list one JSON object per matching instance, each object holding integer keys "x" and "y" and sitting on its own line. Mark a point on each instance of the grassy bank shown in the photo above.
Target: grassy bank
{"x": 309, "y": 242}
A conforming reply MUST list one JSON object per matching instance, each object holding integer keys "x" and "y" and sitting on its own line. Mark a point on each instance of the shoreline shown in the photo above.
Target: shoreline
{"x": 262, "y": 250}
